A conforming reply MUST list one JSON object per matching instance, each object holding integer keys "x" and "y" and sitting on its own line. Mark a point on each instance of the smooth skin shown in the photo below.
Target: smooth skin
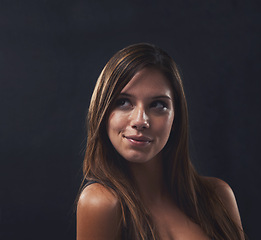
{"x": 140, "y": 123}
{"x": 139, "y": 126}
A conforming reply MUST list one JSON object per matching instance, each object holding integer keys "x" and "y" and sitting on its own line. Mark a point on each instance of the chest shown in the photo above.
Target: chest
{"x": 173, "y": 224}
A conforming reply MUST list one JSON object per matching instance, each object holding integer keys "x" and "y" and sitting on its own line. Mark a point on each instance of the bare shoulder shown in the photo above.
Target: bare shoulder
{"x": 217, "y": 183}
{"x": 226, "y": 195}
{"x": 222, "y": 189}
{"x": 98, "y": 214}
{"x": 97, "y": 195}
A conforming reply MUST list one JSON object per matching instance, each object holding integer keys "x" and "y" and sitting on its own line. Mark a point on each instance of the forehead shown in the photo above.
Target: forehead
{"x": 148, "y": 81}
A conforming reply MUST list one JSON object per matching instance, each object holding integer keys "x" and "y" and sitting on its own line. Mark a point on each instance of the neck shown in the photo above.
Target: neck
{"x": 149, "y": 180}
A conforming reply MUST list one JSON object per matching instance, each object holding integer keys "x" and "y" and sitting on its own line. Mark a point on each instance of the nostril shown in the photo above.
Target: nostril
{"x": 141, "y": 125}
{"x": 139, "y": 118}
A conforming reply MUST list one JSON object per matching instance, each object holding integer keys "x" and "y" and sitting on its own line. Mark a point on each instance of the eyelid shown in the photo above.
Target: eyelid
{"x": 160, "y": 105}
{"x": 120, "y": 99}
{"x": 163, "y": 100}
{"x": 123, "y": 98}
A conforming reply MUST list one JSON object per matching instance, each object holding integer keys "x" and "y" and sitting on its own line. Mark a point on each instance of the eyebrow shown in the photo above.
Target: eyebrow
{"x": 154, "y": 97}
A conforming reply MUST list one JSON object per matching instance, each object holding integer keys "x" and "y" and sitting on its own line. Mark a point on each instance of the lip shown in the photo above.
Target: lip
{"x": 137, "y": 140}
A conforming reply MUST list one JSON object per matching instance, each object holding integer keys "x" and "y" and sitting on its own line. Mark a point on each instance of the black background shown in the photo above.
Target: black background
{"x": 51, "y": 53}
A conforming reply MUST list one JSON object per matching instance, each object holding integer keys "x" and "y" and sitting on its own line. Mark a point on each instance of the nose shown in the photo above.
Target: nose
{"x": 139, "y": 119}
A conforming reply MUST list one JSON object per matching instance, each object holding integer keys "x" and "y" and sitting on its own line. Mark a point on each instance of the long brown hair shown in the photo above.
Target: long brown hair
{"x": 102, "y": 163}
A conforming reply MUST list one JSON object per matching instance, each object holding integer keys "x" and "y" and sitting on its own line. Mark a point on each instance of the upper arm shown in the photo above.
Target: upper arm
{"x": 226, "y": 195}
{"x": 98, "y": 214}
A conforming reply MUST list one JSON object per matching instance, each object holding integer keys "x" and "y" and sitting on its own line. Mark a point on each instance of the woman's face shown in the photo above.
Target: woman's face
{"x": 141, "y": 118}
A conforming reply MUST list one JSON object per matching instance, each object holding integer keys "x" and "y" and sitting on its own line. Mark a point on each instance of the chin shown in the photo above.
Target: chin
{"x": 136, "y": 159}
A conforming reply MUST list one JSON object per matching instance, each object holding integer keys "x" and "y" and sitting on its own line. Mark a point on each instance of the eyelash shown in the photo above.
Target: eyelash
{"x": 163, "y": 104}
{"x": 121, "y": 103}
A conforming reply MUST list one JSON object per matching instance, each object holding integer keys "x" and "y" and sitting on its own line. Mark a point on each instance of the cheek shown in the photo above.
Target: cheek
{"x": 164, "y": 126}
{"x": 115, "y": 122}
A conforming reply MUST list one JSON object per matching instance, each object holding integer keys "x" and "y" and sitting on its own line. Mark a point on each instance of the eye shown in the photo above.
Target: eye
{"x": 123, "y": 103}
{"x": 159, "y": 105}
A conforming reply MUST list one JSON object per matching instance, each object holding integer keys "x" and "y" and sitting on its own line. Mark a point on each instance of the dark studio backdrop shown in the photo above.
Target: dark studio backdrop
{"x": 51, "y": 53}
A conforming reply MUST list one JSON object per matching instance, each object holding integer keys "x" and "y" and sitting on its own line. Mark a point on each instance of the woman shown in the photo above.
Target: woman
{"x": 140, "y": 180}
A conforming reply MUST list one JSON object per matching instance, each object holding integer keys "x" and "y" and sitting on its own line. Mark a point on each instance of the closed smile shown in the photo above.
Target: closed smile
{"x": 138, "y": 140}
